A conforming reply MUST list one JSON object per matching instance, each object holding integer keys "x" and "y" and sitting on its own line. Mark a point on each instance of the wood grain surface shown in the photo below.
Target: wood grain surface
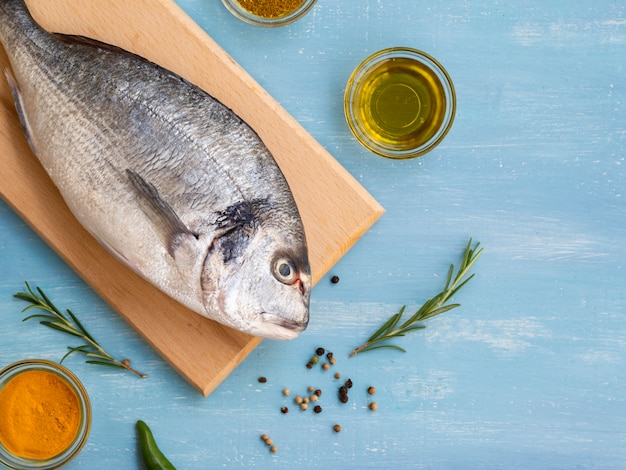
{"x": 335, "y": 209}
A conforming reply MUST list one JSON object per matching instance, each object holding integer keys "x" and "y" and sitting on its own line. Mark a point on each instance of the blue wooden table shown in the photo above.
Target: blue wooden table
{"x": 530, "y": 372}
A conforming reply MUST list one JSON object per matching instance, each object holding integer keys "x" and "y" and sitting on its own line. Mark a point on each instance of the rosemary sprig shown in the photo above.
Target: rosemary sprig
{"x": 435, "y": 306}
{"x": 53, "y": 318}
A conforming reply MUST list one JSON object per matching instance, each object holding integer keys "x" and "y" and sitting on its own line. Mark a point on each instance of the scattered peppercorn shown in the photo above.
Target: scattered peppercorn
{"x": 297, "y": 400}
{"x": 343, "y": 397}
{"x": 262, "y": 380}
{"x": 371, "y": 390}
{"x": 337, "y": 375}
{"x": 313, "y": 398}
{"x": 314, "y": 360}
{"x": 318, "y": 392}
{"x": 309, "y": 365}
{"x": 269, "y": 443}
{"x": 326, "y": 366}
{"x": 303, "y": 406}
{"x": 343, "y": 391}
{"x": 317, "y": 409}
{"x": 334, "y": 279}
{"x": 286, "y": 392}
{"x": 373, "y": 406}
{"x": 284, "y": 410}
{"x": 333, "y": 361}
{"x": 337, "y": 428}
{"x": 310, "y": 388}
{"x": 320, "y": 351}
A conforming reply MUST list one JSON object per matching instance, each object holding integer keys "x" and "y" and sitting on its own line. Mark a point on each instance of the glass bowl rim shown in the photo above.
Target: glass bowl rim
{"x": 367, "y": 65}
{"x": 13, "y": 370}
{"x": 234, "y": 7}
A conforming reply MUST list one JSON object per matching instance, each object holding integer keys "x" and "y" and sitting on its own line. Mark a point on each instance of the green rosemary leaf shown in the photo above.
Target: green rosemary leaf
{"x": 434, "y": 306}
{"x": 36, "y": 305}
{"x": 66, "y": 355}
{"x": 382, "y": 346}
{"x": 50, "y": 305}
{"x": 439, "y": 311}
{"x": 23, "y": 296}
{"x": 99, "y": 356}
{"x": 107, "y": 364}
{"x": 449, "y": 277}
{"x": 55, "y": 325}
{"x": 388, "y": 325}
{"x": 40, "y": 315}
{"x": 79, "y": 325}
{"x": 396, "y": 318}
{"x": 81, "y": 348}
{"x": 412, "y": 328}
{"x": 70, "y": 352}
{"x": 458, "y": 287}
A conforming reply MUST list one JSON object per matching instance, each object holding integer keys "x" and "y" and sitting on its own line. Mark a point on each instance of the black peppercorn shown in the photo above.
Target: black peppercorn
{"x": 334, "y": 279}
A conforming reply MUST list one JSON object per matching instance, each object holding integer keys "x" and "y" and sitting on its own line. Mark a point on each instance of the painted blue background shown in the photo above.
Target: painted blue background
{"x": 528, "y": 373}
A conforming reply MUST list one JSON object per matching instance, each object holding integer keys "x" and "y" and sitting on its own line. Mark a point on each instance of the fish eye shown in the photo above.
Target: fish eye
{"x": 285, "y": 270}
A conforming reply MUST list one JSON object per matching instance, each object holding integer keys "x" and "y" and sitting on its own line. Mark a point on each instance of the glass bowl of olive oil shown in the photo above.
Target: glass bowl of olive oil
{"x": 269, "y": 13}
{"x": 400, "y": 103}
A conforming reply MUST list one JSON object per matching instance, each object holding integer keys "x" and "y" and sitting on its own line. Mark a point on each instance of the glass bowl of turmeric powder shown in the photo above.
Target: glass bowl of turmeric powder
{"x": 269, "y": 13}
{"x": 45, "y": 415}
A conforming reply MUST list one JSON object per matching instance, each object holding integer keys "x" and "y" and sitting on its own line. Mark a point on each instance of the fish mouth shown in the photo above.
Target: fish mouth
{"x": 275, "y": 327}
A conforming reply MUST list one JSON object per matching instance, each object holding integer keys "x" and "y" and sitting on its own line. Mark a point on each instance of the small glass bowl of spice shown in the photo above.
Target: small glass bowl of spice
{"x": 45, "y": 415}
{"x": 400, "y": 103}
{"x": 269, "y": 13}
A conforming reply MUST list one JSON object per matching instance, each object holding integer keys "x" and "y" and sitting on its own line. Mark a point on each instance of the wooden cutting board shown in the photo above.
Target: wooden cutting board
{"x": 335, "y": 209}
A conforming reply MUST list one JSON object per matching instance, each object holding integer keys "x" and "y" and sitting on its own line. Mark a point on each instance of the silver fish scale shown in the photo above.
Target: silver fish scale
{"x": 152, "y": 166}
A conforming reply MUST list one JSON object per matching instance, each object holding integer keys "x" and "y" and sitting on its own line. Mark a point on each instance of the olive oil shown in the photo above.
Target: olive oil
{"x": 401, "y": 103}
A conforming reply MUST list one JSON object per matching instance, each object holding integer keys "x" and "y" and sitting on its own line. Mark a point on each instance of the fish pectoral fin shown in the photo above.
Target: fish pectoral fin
{"x": 177, "y": 237}
{"x": 19, "y": 106}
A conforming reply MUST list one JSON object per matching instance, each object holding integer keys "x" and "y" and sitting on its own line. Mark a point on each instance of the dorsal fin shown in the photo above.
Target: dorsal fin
{"x": 76, "y": 39}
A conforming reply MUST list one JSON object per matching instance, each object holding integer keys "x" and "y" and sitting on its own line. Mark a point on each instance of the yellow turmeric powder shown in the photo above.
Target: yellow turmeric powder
{"x": 270, "y": 8}
{"x": 39, "y": 415}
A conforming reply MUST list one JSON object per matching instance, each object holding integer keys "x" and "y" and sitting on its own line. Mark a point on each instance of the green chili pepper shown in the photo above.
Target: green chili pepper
{"x": 153, "y": 458}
